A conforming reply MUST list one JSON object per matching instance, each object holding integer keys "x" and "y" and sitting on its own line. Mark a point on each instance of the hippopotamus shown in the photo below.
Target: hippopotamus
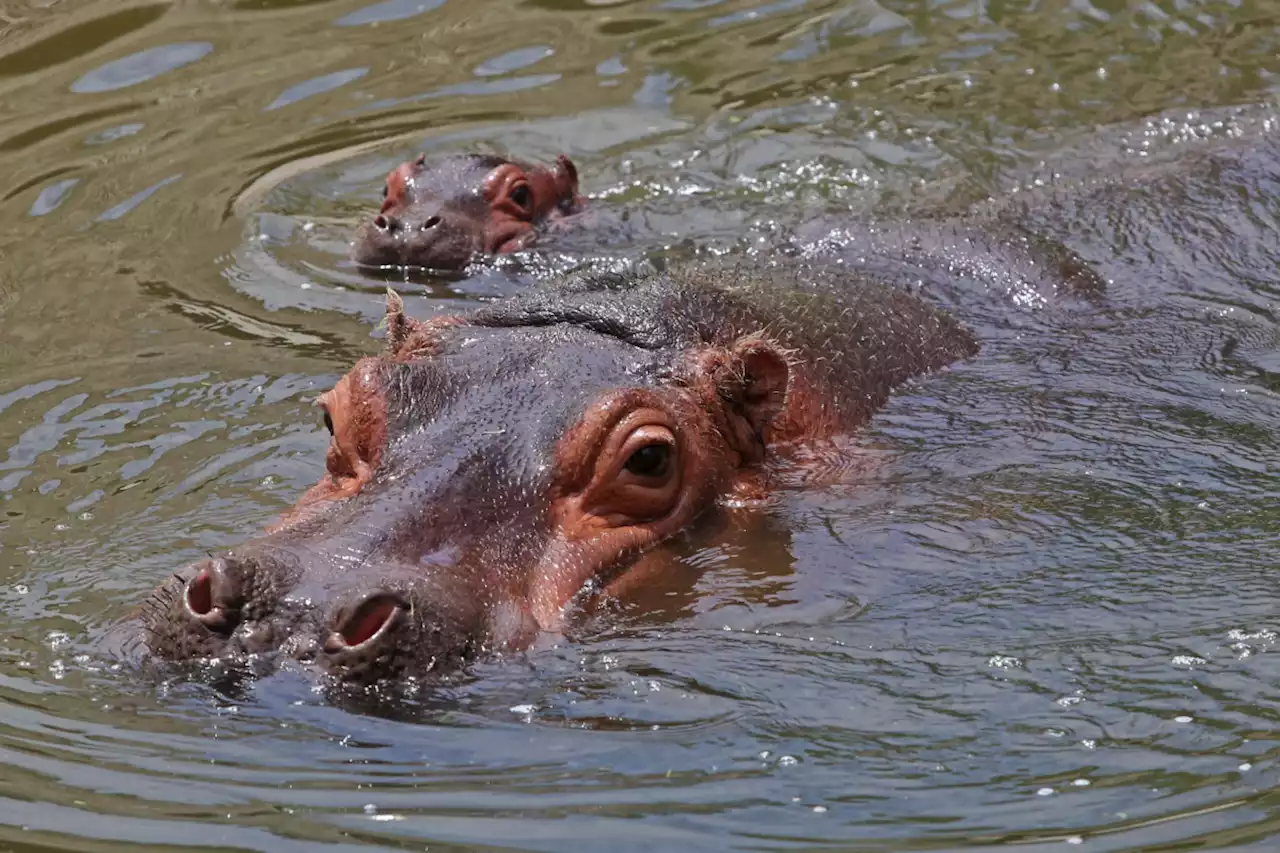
{"x": 489, "y": 469}
{"x": 441, "y": 215}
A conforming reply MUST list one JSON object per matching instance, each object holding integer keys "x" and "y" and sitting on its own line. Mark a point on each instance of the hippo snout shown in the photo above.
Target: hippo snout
{"x": 363, "y": 623}
{"x": 431, "y": 236}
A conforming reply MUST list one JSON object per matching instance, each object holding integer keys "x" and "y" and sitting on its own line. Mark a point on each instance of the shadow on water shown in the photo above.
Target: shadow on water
{"x": 1031, "y": 604}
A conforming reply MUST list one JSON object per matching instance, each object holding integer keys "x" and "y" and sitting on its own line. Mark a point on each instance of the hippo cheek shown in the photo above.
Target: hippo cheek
{"x": 510, "y": 237}
{"x": 648, "y": 465}
{"x": 570, "y": 568}
{"x": 643, "y": 464}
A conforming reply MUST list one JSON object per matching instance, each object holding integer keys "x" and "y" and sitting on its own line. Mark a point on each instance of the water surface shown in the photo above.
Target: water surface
{"x": 1042, "y": 615}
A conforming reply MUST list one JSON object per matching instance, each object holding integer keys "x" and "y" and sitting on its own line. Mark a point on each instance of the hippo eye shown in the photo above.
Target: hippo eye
{"x": 652, "y": 461}
{"x": 638, "y": 475}
{"x": 328, "y": 423}
{"x": 521, "y": 195}
{"x": 384, "y": 192}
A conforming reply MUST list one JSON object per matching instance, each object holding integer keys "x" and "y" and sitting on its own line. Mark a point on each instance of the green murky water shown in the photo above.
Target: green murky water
{"x": 1048, "y": 621}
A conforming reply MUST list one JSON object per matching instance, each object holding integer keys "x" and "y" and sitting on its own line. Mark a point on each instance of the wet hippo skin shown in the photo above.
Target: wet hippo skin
{"x": 486, "y": 468}
{"x": 441, "y": 215}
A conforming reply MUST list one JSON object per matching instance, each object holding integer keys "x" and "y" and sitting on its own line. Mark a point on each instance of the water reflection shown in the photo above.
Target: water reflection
{"x": 390, "y": 10}
{"x": 141, "y": 67}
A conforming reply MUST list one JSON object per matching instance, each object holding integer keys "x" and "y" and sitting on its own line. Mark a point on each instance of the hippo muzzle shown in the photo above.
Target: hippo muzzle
{"x": 269, "y": 601}
{"x": 431, "y": 235}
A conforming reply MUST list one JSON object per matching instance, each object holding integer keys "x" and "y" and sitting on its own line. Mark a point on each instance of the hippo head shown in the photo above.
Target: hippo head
{"x": 440, "y": 216}
{"x": 482, "y": 472}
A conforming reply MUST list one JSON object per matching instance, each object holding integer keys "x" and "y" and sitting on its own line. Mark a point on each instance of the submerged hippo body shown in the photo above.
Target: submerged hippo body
{"x": 439, "y": 216}
{"x": 487, "y": 468}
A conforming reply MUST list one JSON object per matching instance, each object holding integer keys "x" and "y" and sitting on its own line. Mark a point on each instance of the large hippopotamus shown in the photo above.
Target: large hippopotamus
{"x": 487, "y": 468}
{"x": 441, "y": 215}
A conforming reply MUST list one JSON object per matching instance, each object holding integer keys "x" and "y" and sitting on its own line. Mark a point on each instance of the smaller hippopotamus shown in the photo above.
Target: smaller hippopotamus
{"x": 440, "y": 216}
{"x": 489, "y": 467}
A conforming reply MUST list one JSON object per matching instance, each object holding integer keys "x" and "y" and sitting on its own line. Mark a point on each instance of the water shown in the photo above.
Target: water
{"x": 1042, "y": 614}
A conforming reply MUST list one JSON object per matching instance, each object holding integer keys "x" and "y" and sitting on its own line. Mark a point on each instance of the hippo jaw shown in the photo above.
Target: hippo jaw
{"x": 476, "y": 481}
{"x": 443, "y": 216}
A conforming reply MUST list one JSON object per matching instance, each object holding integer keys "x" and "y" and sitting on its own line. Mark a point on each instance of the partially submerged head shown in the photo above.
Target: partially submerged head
{"x": 486, "y": 469}
{"x": 441, "y": 215}
{"x": 479, "y": 475}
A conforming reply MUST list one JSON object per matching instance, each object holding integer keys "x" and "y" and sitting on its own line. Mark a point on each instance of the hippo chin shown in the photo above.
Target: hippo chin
{"x": 486, "y": 468}
{"x": 440, "y": 216}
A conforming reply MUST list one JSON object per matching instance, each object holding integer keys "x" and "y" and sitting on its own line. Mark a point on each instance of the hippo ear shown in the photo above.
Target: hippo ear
{"x": 566, "y": 177}
{"x": 398, "y": 324}
{"x": 762, "y": 378}
{"x": 407, "y": 338}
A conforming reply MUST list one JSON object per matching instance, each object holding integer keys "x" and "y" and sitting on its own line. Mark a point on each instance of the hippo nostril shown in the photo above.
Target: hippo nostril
{"x": 210, "y": 598}
{"x": 430, "y": 222}
{"x": 200, "y": 593}
{"x": 386, "y": 222}
{"x": 369, "y": 619}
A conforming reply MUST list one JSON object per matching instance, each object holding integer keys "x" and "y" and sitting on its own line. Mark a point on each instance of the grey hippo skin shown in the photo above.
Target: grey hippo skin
{"x": 488, "y": 467}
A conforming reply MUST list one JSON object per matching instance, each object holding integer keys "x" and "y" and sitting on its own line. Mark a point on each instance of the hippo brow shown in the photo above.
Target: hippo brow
{"x": 641, "y": 335}
{"x": 488, "y": 161}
